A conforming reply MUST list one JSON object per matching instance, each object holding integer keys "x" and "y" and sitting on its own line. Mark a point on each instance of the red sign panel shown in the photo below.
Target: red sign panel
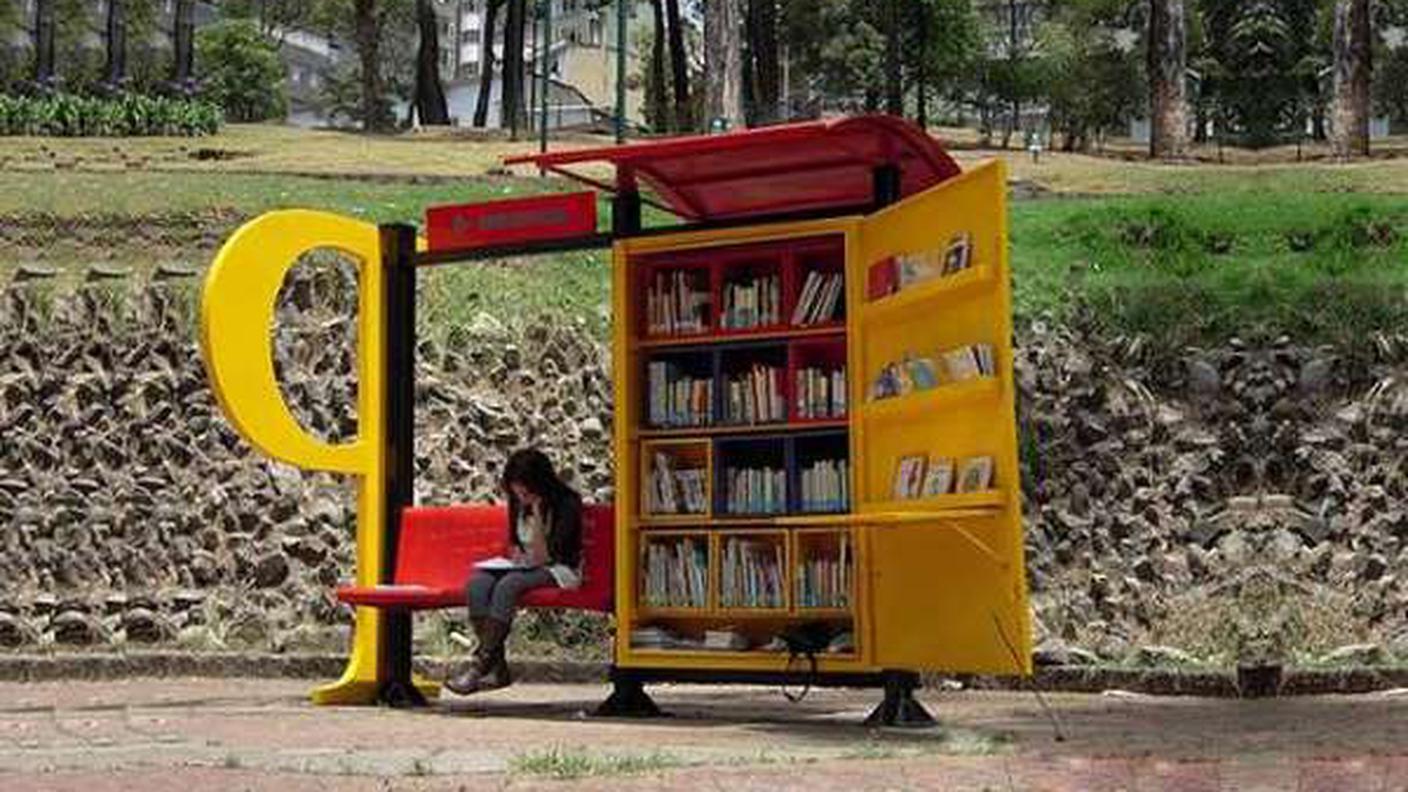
{"x": 557, "y": 216}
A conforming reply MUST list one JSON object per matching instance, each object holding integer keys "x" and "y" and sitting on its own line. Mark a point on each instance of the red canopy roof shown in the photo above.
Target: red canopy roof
{"x": 794, "y": 167}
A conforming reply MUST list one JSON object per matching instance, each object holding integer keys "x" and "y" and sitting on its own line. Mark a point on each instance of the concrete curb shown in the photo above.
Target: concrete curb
{"x": 1073, "y": 679}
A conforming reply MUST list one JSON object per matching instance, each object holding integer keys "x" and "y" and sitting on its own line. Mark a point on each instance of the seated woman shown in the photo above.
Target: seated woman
{"x": 545, "y": 532}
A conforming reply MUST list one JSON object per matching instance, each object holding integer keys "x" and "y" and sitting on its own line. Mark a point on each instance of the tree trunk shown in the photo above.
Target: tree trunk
{"x": 368, "y": 32}
{"x": 513, "y": 112}
{"x": 723, "y": 61}
{"x": 1349, "y": 126}
{"x": 655, "y": 87}
{"x": 1168, "y": 110}
{"x": 767, "y": 70}
{"x": 44, "y": 41}
{"x": 117, "y": 42}
{"x": 679, "y": 66}
{"x": 183, "y": 29}
{"x": 894, "y": 87}
{"x": 430, "y": 95}
{"x": 486, "y": 63}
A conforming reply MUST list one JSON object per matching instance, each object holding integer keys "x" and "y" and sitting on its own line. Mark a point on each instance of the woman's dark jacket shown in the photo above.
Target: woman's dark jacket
{"x": 564, "y": 537}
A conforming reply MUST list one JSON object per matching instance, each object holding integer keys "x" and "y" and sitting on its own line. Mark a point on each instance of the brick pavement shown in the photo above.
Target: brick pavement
{"x": 187, "y": 734}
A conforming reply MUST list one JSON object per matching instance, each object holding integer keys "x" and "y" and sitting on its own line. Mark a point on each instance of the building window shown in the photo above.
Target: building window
{"x": 469, "y": 37}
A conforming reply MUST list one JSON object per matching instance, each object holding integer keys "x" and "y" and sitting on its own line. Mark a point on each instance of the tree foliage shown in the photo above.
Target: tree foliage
{"x": 240, "y": 70}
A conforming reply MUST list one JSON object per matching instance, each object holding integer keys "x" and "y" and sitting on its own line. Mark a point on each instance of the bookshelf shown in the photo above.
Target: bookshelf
{"x": 764, "y": 393}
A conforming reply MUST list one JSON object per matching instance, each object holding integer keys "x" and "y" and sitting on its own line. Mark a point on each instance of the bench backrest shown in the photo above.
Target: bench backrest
{"x": 439, "y": 545}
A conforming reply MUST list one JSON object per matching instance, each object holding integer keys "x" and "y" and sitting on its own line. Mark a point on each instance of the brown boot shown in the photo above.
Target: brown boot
{"x": 466, "y": 680}
{"x": 489, "y": 668}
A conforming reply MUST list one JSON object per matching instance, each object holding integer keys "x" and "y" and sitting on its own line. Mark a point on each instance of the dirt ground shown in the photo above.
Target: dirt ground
{"x": 187, "y": 734}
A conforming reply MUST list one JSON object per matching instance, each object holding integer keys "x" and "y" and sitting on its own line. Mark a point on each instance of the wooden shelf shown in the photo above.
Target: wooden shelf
{"x": 922, "y": 296}
{"x": 729, "y": 654}
{"x": 993, "y": 499}
{"x": 673, "y": 613}
{"x": 733, "y": 654}
{"x": 826, "y": 613}
{"x": 717, "y": 430}
{"x": 784, "y": 333}
{"x": 751, "y": 613}
{"x": 700, "y": 524}
{"x": 935, "y": 399}
{"x": 662, "y": 520}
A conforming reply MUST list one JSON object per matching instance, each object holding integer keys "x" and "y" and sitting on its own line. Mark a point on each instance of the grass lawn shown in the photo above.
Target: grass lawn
{"x": 260, "y": 149}
{"x": 1185, "y": 253}
{"x": 263, "y": 148}
{"x": 144, "y": 193}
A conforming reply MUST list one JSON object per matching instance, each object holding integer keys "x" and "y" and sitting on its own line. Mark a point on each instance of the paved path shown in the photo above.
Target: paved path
{"x": 183, "y": 734}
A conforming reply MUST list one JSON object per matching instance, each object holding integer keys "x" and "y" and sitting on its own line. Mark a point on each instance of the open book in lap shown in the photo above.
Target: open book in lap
{"x": 502, "y": 564}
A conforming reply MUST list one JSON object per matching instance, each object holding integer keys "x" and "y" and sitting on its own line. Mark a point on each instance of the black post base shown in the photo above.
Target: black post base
{"x": 628, "y": 699}
{"x": 400, "y": 695}
{"x": 900, "y": 707}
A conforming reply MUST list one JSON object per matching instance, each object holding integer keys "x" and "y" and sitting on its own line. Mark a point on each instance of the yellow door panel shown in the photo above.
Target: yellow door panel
{"x": 946, "y": 593}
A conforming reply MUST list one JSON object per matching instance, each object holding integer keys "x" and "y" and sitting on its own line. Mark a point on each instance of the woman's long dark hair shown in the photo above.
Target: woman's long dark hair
{"x": 532, "y": 468}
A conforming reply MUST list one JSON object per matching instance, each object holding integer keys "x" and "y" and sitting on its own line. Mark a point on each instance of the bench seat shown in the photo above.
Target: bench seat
{"x": 439, "y": 546}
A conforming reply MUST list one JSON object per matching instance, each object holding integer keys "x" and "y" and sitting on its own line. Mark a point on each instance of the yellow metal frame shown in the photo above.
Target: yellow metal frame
{"x": 237, "y": 313}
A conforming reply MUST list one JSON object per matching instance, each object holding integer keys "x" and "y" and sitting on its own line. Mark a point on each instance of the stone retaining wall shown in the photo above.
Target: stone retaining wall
{"x": 1184, "y": 508}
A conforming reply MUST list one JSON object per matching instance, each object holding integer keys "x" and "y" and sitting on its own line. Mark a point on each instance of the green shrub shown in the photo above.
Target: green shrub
{"x": 128, "y": 115}
{"x": 240, "y": 70}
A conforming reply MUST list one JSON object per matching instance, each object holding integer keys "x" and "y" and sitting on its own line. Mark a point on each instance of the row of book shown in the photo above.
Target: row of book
{"x": 676, "y": 574}
{"x": 918, "y": 476}
{"x": 824, "y": 581}
{"x": 918, "y": 373}
{"x": 755, "y": 396}
{"x": 820, "y": 393}
{"x": 750, "y": 574}
{"x": 752, "y": 303}
{"x": 678, "y": 303}
{"x": 755, "y": 490}
{"x": 907, "y": 269}
{"x": 826, "y": 486}
{"x": 821, "y": 296}
{"x": 677, "y": 398}
{"x": 675, "y": 491}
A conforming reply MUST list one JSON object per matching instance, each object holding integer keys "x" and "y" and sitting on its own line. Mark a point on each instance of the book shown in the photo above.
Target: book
{"x": 819, "y": 299}
{"x": 921, "y": 373}
{"x": 882, "y": 279}
{"x": 938, "y": 480}
{"x": 963, "y": 363}
{"x": 677, "y": 303}
{"x": 750, "y": 574}
{"x": 823, "y": 578}
{"x": 675, "y": 573}
{"x": 975, "y": 474}
{"x": 672, "y": 491}
{"x": 502, "y": 564}
{"x": 755, "y": 396}
{"x": 819, "y": 393}
{"x": 727, "y": 639}
{"x": 909, "y": 477}
{"x": 752, "y": 302}
{"x": 824, "y": 487}
{"x": 917, "y": 267}
{"x": 755, "y": 490}
{"x": 958, "y": 255}
{"x": 676, "y": 398}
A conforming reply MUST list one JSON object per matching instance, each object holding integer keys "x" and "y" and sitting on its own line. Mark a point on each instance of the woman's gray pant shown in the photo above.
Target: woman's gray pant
{"x": 495, "y": 594}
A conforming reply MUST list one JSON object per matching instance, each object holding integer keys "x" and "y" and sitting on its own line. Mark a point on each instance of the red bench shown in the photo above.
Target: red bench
{"x": 438, "y": 547}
